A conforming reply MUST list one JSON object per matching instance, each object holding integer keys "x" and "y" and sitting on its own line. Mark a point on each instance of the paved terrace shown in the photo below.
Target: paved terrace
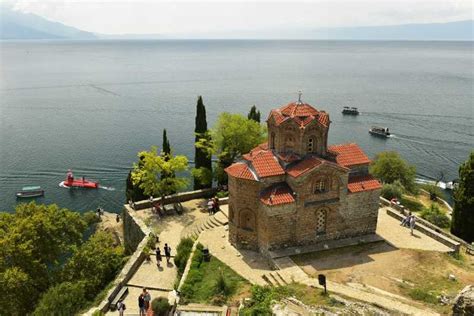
{"x": 249, "y": 264}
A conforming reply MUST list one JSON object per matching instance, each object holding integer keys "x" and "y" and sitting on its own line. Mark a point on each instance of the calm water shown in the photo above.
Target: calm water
{"x": 91, "y": 106}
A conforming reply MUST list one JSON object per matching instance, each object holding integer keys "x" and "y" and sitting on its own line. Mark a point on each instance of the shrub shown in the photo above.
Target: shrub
{"x": 221, "y": 286}
{"x": 434, "y": 191}
{"x": 66, "y": 298}
{"x": 423, "y": 295}
{"x": 222, "y": 194}
{"x": 151, "y": 242}
{"x": 91, "y": 218}
{"x": 412, "y": 205}
{"x": 392, "y": 190}
{"x": 183, "y": 252}
{"x": 435, "y": 216}
{"x": 160, "y": 306}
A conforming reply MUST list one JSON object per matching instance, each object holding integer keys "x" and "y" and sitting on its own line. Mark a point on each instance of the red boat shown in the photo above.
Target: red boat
{"x": 81, "y": 183}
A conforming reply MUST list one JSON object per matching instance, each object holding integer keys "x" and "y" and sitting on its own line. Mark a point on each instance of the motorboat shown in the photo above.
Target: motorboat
{"x": 82, "y": 182}
{"x": 350, "y": 110}
{"x": 379, "y": 131}
{"x": 30, "y": 192}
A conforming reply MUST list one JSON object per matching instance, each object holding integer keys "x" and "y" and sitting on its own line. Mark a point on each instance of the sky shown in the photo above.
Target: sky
{"x": 175, "y": 18}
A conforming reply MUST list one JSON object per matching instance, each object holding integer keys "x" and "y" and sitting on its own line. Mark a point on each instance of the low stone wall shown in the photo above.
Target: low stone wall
{"x": 178, "y": 197}
{"x": 134, "y": 232}
{"x": 402, "y": 210}
{"x": 425, "y": 227}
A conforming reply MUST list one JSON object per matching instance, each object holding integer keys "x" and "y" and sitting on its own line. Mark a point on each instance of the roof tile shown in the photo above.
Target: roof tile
{"x": 265, "y": 164}
{"x": 240, "y": 170}
{"x": 277, "y": 194}
{"x": 304, "y": 166}
{"x": 348, "y": 155}
{"x": 363, "y": 183}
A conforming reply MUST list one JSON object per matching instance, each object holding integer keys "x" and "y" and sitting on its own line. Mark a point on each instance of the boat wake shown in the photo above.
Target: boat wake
{"x": 62, "y": 185}
{"x": 106, "y": 188}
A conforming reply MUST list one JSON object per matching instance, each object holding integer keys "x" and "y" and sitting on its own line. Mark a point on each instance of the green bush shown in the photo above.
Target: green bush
{"x": 392, "y": 190}
{"x": 222, "y": 194}
{"x": 160, "y": 306}
{"x": 183, "y": 252}
{"x": 434, "y": 191}
{"x": 435, "y": 216}
{"x": 412, "y": 205}
{"x": 151, "y": 242}
{"x": 423, "y": 295}
{"x": 222, "y": 286}
{"x": 66, "y": 298}
{"x": 91, "y": 218}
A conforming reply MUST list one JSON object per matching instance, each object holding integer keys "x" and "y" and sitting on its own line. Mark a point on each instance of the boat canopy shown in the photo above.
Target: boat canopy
{"x": 31, "y": 188}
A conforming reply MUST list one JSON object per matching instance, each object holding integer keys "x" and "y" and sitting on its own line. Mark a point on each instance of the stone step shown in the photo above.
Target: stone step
{"x": 215, "y": 222}
{"x": 276, "y": 279}
{"x": 268, "y": 279}
{"x": 221, "y": 218}
{"x": 280, "y": 277}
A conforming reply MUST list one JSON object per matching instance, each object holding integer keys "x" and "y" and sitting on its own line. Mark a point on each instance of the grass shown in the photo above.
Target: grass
{"x": 263, "y": 296}
{"x": 411, "y": 203}
{"x": 211, "y": 282}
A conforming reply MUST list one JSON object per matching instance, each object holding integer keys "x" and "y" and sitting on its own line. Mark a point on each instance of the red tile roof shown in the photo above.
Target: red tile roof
{"x": 277, "y": 194}
{"x": 348, "y": 155}
{"x": 301, "y": 113}
{"x": 304, "y": 166}
{"x": 265, "y": 164}
{"x": 363, "y": 183}
{"x": 240, "y": 170}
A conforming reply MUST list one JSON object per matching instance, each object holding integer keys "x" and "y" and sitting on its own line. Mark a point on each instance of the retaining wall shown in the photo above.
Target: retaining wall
{"x": 178, "y": 197}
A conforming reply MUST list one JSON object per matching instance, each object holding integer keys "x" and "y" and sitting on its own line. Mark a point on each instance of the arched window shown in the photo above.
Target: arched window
{"x": 272, "y": 141}
{"x": 310, "y": 145}
{"x": 321, "y": 216}
{"x": 289, "y": 143}
{"x": 247, "y": 220}
{"x": 321, "y": 185}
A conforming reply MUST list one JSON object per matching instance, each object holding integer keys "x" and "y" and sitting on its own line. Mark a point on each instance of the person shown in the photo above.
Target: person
{"x": 146, "y": 299}
{"x": 406, "y": 220}
{"x": 210, "y": 205}
{"x": 141, "y": 305}
{"x": 216, "y": 205}
{"x": 98, "y": 212}
{"x": 158, "y": 257}
{"x": 117, "y": 218}
{"x": 121, "y": 307}
{"x": 412, "y": 223}
{"x": 167, "y": 253}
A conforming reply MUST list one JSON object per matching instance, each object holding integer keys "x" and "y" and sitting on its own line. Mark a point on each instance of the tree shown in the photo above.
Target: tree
{"x": 202, "y": 159}
{"x": 462, "y": 224}
{"x": 166, "y": 144}
{"x": 392, "y": 190}
{"x": 254, "y": 114}
{"x": 95, "y": 262}
{"x": 33, "y": 243}
{"x": 134, "y": 192}
{"x": 66, "y": 298}
{"x": 160, "y": 306}
{"x": 148, "y": 178}
{"x": 389, "y": 167}
{"x": 232, "y": 136}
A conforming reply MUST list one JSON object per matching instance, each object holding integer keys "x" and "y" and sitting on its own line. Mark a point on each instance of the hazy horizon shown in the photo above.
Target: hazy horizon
{"x": 208, "y": 19}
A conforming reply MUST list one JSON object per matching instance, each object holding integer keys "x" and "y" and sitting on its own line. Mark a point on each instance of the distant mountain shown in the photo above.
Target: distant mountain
{"x": 461, "y": 30}
{"x": 19, "y": 25}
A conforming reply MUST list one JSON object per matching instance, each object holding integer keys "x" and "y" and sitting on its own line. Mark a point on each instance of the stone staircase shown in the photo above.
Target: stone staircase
{"x": 288, "y": 272}
{"x": 194, "y": 230}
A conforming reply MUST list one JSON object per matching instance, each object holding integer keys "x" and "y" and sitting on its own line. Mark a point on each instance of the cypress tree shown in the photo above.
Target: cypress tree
{"x": 201, "y": 158}
{"x": 462, "y": 224}
{"x": 166, "y": 144}
{"x": 254, "y": 114}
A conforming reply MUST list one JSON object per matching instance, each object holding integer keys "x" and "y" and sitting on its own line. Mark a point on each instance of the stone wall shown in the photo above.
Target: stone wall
{"x": 178, "y": 197}
{"x": 133, "y": 230}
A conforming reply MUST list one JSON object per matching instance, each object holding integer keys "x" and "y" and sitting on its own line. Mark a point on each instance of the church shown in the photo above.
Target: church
{"x": 295, "y": 190}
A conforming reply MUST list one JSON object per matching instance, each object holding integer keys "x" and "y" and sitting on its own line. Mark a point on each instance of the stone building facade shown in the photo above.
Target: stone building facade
{"x": 296, "y": 190}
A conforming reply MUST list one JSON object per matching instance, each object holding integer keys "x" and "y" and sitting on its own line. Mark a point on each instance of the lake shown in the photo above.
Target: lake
{"x": 92, "y": 105}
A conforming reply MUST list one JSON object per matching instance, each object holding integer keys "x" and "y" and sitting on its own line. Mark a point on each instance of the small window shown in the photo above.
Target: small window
{"x": 321, "y": 215}
{"x": 272, "y": 141}
{"x": 321, "y": 186}
{"x": 310, "y": 145}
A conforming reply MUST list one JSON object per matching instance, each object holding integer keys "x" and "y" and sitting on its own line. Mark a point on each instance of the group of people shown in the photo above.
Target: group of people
{"x": 167, "y": 251}
{"x": 409, "y": 221}
{"x": 213, "y": 205}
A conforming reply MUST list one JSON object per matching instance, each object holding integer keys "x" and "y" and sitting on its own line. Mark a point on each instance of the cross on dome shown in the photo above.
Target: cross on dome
{"x": 299, "y": 97}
